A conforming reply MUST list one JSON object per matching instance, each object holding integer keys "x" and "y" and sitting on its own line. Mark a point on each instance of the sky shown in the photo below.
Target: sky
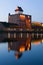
{"x": 30, "y": 7}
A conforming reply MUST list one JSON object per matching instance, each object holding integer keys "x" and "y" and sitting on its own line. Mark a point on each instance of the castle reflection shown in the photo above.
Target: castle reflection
{"x": 22, "y": 44}
{"x": 19, "y": 46}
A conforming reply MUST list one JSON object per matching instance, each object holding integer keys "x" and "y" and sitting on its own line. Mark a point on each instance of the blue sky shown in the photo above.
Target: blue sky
{"x": 31, "y": 7}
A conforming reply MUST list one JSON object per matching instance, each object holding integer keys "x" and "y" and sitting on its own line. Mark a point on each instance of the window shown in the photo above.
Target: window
{"x": 22, "y": 17}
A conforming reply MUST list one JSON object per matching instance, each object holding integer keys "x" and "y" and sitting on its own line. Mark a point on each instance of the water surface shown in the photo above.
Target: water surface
{"x": 22, "y": 51}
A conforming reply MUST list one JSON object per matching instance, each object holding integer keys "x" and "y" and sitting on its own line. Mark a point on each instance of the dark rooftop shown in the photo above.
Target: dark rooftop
{"x": 19, "y": 9}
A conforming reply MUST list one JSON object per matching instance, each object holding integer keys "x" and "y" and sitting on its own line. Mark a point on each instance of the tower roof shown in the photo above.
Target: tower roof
{"x": 19, "y": 9}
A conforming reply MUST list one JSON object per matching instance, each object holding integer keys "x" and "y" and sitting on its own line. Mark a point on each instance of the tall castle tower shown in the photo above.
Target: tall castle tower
{"x": 22, "y": 20}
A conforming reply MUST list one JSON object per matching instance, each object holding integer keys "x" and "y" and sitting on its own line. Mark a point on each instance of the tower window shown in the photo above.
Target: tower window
{"x": 22, "y": 17}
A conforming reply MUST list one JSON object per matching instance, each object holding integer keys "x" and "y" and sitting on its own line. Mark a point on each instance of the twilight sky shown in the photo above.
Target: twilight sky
{"x": 31, "y": 7}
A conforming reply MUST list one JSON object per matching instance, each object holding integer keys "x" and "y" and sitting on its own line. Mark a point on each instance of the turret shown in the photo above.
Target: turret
{"x": 18, "y": 10}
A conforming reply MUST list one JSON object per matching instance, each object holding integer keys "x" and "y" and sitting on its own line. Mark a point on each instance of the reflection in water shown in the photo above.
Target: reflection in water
{"x": 21, "y": 43}
{"x": 19, "y": 46}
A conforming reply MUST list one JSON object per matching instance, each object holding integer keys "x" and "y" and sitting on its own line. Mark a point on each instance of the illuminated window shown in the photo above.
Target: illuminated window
{"x": 22, "y": 17}
{"x": 14, "y": 35}
{"x": 14, "y": 29}
{"x": 42, "y": 40}
{"x": 9, "y": 49}
{"x": 27, "y": 22}
{"x": 42, "y": 25}
{"x": 28, "y": 16}
{"x": 22, "y": 49}
{"x": 8, "y": 35}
